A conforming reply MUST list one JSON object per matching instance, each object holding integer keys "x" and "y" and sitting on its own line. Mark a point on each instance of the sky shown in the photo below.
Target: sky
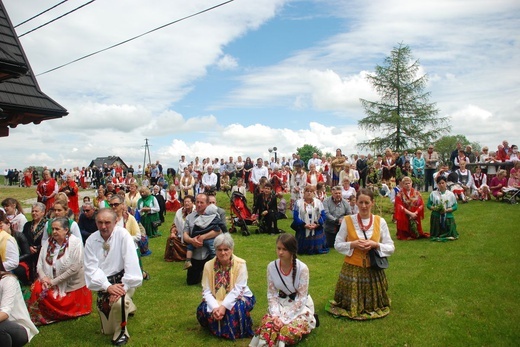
{"x": 251, "y": 75}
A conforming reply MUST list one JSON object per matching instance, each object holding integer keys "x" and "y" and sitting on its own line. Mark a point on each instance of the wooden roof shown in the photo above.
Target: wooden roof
{"x": 100, "y": 161}
{"x": 21, "y": 99}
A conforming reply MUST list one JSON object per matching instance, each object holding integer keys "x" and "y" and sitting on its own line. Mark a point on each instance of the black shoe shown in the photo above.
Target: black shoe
{"x": 122, "y": 340}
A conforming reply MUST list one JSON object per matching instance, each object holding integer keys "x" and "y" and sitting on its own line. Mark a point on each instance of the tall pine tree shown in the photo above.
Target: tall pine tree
{"x": 403, "y": 118}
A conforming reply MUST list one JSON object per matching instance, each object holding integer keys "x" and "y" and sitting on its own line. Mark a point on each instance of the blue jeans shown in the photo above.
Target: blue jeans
{"x": 208, "y": 243}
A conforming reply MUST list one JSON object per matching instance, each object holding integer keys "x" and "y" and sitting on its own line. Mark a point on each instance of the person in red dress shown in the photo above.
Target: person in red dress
{"x": 47, "y": 190}
{"x": 60, "y": 292}
{"x": 409, "y": 212}
{"x": 70, "y": 188}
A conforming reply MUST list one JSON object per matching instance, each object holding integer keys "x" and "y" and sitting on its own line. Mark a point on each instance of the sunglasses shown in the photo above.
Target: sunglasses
{"x": 87, "y": 210}
{"x": 114, "y": 204}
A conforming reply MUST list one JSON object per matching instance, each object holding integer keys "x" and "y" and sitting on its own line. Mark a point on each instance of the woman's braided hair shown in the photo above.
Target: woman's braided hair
{"x": 290, "y": 243}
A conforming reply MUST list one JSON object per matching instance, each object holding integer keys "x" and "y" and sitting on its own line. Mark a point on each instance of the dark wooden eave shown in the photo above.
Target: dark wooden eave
{"x": 21, "y": 99}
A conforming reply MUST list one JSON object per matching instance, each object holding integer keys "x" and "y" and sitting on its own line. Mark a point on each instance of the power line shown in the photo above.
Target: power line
{"x": 55, "y": 19}
{"x": 39, "y": 14}
{"x": 136, "y": 37}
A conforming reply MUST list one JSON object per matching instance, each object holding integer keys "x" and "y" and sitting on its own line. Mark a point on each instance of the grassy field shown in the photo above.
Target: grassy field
{"x": 461, "y": 293}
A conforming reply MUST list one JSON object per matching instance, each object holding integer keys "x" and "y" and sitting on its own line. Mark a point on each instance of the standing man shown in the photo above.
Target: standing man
{"x": 231, "y": 168}
{"x": 182, "y": 164}
{"x": 201, "y": 254}
{"x": 258, "y": 172}
{"x": 362, "y": 168}
{"x": 336, "y": 208}
{"x": 314, "y": 160}
{"x": 430, "y": 158}
{"x": 112, "y": 269}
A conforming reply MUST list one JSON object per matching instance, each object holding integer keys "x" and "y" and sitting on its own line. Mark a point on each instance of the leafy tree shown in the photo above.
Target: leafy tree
{"x": 403, "y": 118}
{"x": 447, "y": 144}
{"x": 306, "y": 152}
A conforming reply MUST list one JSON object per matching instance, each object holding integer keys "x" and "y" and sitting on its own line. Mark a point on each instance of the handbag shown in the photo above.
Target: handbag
{"x": 376, "y": 261}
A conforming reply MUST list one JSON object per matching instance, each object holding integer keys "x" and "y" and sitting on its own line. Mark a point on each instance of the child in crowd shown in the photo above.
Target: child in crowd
{"x": 321, "y": 191}
{"x": 282, "y": 207}
{"x": 204, "y": 224}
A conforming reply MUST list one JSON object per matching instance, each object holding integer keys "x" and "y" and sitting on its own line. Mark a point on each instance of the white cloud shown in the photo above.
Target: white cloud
{"x": 227, "y": 62}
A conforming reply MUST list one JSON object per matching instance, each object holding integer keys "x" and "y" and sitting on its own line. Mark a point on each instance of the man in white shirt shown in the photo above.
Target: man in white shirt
{"x": 314, "y": 160}
{"x": 112, "y": 269}
{"x": 182, "y": 164}
{"x": 259, "y": 171}
{"x": 209, "y": 180}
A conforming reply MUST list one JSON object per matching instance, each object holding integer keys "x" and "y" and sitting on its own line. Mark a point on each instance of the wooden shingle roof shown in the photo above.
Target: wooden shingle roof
{"x": 21, "y": 99}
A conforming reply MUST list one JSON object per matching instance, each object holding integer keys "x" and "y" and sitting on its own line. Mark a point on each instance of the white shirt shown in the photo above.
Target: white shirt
{"x": 121, "y": 255}
{"x": 386, "y": 245}
{"x": 209, "y": 179}
{"x": 13, "y": 304}
{"x": 258, "y": 172}
{"x": 12, "y": 255}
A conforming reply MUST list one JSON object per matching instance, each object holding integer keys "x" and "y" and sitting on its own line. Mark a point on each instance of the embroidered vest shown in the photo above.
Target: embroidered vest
{"x": 360, "y": 258}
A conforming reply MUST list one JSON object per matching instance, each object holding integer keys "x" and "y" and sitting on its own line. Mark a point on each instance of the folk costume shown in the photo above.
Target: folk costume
{"x": 226, "y": 285}
{"x": 47, "y": 190}
{"x": 109, "y": 262}
{"x": 68, "y": 297}
{"x": 442, "y": 223}
{"x": 310, "y": 241}
{"x": 361, "y": 291}
{"x": 288, "y": 299}
{"x": 409, "y": 229}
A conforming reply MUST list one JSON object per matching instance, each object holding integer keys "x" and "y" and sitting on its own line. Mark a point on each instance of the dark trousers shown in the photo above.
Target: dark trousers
{"x": 12, "y": 334}
{"x": 428, "y": 178}
{"x": 331, "y": 238}
{"x": 194, "y": 275}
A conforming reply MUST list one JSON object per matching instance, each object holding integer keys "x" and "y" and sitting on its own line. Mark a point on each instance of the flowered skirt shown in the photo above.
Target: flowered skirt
{"x": 175, "y": 250}
{"x": 268, "y": 335}
{"x": 236, "y": 324}
{"x": 45, "y": 309}
{"x": 312, "y": 244}
{"x": 361, "y": 294}
{"x": 442, "y": 230}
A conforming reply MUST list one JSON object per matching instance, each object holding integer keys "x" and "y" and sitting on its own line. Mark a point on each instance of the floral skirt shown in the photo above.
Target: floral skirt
{"x": 45, "y": 309}
{"x": 290, "y": 334}
{"x": 361, "y": 294}
{"x": 315, "y": 244}
{"x": 443, "y": 230}
{"x": 175, "y": 250}
{"x": 236, "y": 324}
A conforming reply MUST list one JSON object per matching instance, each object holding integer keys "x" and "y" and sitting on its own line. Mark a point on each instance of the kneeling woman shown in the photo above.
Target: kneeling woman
{"x": 361, "y": 290}
{"x": 60, "y": 292}
{"x": 15, "y": 325}
{"x": 291, "y": 309}
{"x": 227, "y": 300}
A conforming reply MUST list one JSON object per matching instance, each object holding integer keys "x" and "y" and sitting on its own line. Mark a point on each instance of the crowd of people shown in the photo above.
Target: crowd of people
{"x": 66, "y": 250}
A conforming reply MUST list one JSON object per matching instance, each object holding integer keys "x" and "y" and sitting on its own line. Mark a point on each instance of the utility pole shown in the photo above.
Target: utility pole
{"x": 146, "y": 152}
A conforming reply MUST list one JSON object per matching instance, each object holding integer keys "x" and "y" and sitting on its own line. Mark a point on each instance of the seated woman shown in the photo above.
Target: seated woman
{"x": 22, "y": 269}
{"x": 290, "y": 313}
{"x": 346, "y": 189}
{"x": 227, "y": 300}
{"x": 480, "y": 186}
{"x": 15, "y": 324}
{"x": 60, "y": 292}
{"x": 442, "y": 203}
{"x": 361, "y": 290}
{"x": 308, "y": 220}
{"x": 172, "y": 202}
{"x": 33, "y": 231}
{"x": 9, "y": 253}
{"x": 149, "y": 208}
{"x": 498, "y": 183}
{"x": 14, "y": 213}
{"x": 240, "y": 187}
{"x": 61, "y": 209}
{"x": 409, "y": 212}
{"x": 224, "y": 182}
{"x": 175, "y": 246}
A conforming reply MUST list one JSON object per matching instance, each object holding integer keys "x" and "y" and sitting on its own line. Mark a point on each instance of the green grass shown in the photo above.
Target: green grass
{"x": 461, "y": 293}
